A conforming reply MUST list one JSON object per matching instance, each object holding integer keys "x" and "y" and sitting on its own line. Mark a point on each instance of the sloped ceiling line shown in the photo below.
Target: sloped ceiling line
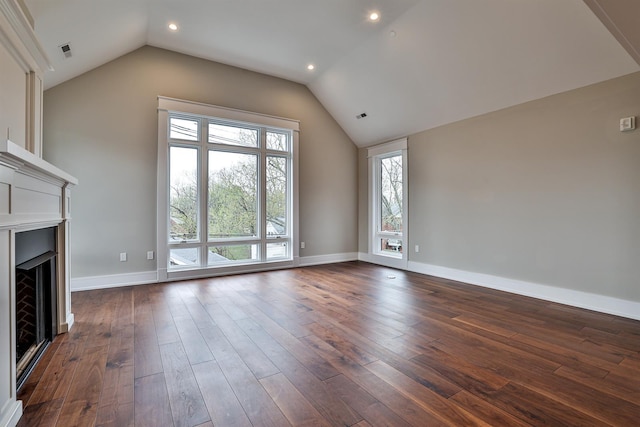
{"x": 446, "y": 60}
{"x": 622, "y": 19}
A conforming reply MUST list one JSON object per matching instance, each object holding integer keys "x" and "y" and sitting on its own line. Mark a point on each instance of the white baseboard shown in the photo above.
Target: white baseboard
{"x": 66, "y": 327}
{"x": 113, "y": 281}
{"x": 11, "y": 413}
{"x": 595, "y": 302}
{"x": 590, "y": 301}
{"x": 328, "y": 259}
{"x": 386, "y": 261}
{"x": 146, "y": 277}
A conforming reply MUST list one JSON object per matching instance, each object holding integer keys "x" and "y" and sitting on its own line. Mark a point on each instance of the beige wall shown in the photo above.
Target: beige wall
{"x": 102, "y": 128}
{"x": 546, "y": 192}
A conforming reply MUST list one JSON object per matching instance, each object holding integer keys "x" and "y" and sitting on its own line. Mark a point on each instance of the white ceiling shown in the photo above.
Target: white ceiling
{"x": 424, "y": 64}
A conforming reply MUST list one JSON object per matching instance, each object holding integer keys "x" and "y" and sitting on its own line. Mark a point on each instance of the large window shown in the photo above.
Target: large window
{"x": 229, "y": 200}
{"x": 388, "y": 203}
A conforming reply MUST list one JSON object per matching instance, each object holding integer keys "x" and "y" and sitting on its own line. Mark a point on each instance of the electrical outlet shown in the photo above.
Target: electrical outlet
{"x": 123, "y": 256}
{"x": 627, "y": 124}
{"x": 417, "y": 248}
{"x": 150, "y": 255}
{"x": 302, "y": 245}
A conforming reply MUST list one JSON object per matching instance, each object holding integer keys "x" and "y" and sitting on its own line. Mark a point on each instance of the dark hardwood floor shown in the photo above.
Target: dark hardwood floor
{"x": 349, "y": 344}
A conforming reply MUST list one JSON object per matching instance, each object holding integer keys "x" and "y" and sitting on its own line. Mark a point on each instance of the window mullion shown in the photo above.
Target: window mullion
{"x": 378, "y": 172}
{"x": 262, "y": 192}
{"x": 203, "y": 178}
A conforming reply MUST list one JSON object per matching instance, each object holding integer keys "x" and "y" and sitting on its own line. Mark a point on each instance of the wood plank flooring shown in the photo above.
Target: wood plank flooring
{"x": 348, "y": 344}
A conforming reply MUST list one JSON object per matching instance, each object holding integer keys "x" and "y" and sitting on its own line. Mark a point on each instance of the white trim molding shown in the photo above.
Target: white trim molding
{"x": 149, "y": 277}
{"x": 328, "y": 259}
{"x": 387, "y": 147}
{"x": 11, "y": 414}
{"x": 183, "y": 106}
{"x": 19, "y": 38}
{"x": 586, "y": 300}
{"x": 384, "y": 261}
{"x": 113, "y": 281}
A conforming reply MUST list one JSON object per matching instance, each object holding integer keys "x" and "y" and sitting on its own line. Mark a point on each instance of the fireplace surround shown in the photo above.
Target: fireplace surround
{"x": 34, "y": 195}
{"x": 34, "y": 200}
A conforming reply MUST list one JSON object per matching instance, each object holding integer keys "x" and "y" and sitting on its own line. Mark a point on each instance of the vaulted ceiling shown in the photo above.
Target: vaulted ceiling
{"x": 422, "y": 64}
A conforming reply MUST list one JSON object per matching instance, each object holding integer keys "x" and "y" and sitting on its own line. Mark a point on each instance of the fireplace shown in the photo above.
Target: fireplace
{"x": 36, "y": 297}
{"x": 34, "y": 195}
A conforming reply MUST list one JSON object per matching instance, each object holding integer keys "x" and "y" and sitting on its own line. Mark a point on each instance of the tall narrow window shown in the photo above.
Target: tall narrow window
{"x": 183, "y": 191}
{"x": 387, "y": 223}
{"x": 230, "y": 194}
{"x": 390, "y": 209}
{"x": 277, "y": 210}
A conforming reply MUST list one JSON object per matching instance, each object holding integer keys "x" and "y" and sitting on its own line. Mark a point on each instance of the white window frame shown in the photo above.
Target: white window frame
{"x": 170, "y": 107}
{"x": 375, "y": 155}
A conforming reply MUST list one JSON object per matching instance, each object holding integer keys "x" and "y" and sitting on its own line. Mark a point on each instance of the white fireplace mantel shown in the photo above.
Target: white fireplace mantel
{"x": 34, "y": 194}
{"x": 22, "y": 159}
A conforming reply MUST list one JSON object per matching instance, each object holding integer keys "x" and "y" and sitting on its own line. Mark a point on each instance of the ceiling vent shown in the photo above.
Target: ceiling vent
{"x": 66, "y": 50}
{"x": 361, "y": 116}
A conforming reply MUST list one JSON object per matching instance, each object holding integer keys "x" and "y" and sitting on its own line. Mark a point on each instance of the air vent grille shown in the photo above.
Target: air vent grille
{"x": 66, "y": 50}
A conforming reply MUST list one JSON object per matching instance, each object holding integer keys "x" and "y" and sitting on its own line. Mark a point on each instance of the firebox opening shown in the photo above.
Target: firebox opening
{"x": 36, "y": 302}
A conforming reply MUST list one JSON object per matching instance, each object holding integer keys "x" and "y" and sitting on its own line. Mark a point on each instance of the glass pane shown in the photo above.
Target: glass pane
{"x": 277, "y": 250}
{"x": 391, "y": 246}
{"x": 232, "y": 135}
{"x": 183, "y": 129}
{"x": 233, "y": 201}
{"x": 232, "y": 253}
{"x": 277, "y": 141}
{"x": 276, "y": 196}
{"x": 391, "y": 194}
{"x": 183, "y": 194}
{"x": 184, "y": 257}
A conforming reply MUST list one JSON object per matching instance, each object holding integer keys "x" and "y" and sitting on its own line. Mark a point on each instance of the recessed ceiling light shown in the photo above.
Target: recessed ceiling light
{"x": 311, "y": 67}
{"x": 374, "y": 16}
{"x": 173, "y": 27}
